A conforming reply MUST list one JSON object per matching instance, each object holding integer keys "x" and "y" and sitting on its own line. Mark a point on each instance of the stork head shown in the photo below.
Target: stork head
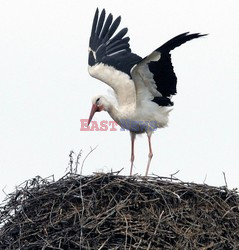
{"x": 99, "y": 103}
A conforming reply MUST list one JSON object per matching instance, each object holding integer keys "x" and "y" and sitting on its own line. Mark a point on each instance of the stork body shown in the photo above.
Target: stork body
{"x": 143, "y": 86}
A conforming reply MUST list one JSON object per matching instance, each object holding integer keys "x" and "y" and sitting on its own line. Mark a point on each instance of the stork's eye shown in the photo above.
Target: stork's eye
{"x": 97, "y": 100}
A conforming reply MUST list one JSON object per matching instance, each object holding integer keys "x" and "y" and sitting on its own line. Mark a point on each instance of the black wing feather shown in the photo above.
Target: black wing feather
{"x": 108, "y": 22}
{"x": 119, "y": 35}
{"x": 119, "y": 47}
{"x": 163, "y": 72}
{"x": 178, "y": 40}
{"x": 122, "y": 41}
{"x": 114, "y": 27}
{"x": 114, "y": 51}
{"x": 95, "y": 20}
{"x": 100, "y": 23}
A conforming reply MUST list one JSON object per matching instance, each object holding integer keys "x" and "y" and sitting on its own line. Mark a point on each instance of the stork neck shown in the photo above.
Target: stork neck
{"x": 122, "y": 112}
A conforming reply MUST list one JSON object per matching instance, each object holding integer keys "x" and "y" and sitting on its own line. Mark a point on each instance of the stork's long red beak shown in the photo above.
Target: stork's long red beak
{"x": 92, "y": 112}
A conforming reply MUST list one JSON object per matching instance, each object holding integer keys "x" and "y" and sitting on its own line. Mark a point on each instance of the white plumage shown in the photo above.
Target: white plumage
{"x": 143, "y": 86}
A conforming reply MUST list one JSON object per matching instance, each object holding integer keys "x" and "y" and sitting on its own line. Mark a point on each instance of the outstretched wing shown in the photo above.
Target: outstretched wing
{"x": 154, "y": 76}
{"x": 110, "y": 57}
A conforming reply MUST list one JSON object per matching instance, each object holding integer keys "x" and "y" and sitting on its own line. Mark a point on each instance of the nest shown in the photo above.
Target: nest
{"x": 110, "y": 211}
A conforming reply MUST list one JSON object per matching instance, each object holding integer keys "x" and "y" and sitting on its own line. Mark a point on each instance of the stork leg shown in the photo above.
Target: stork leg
{"x": 150, "y": 153}
{"x": 132, "y": 135}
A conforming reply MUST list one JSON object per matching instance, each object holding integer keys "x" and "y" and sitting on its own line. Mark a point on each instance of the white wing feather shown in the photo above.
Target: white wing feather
{"x": 144, "y": 82}
{"x": 119, "y": 81}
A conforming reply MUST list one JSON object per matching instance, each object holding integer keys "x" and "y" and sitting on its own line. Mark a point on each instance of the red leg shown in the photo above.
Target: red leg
{"x": 132, "y": 151}
{"x": 150, "y": 154}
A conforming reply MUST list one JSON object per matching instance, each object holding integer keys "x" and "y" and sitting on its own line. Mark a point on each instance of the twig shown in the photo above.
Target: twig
{"x": 224, "y": 175}
{"x": 173, "y": 175}
{"x": 91, "y": 150}
{"x": 77, "y": 161}
{"x": 204, "y": 181}
{"x": 71, "y": 161}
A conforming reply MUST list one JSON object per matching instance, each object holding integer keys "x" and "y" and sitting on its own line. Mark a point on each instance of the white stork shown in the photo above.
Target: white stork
{"x": 143, "y": 86}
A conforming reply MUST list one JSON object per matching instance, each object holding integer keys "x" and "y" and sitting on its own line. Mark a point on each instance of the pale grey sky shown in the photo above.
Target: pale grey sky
{"x": 45, "y": 89}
